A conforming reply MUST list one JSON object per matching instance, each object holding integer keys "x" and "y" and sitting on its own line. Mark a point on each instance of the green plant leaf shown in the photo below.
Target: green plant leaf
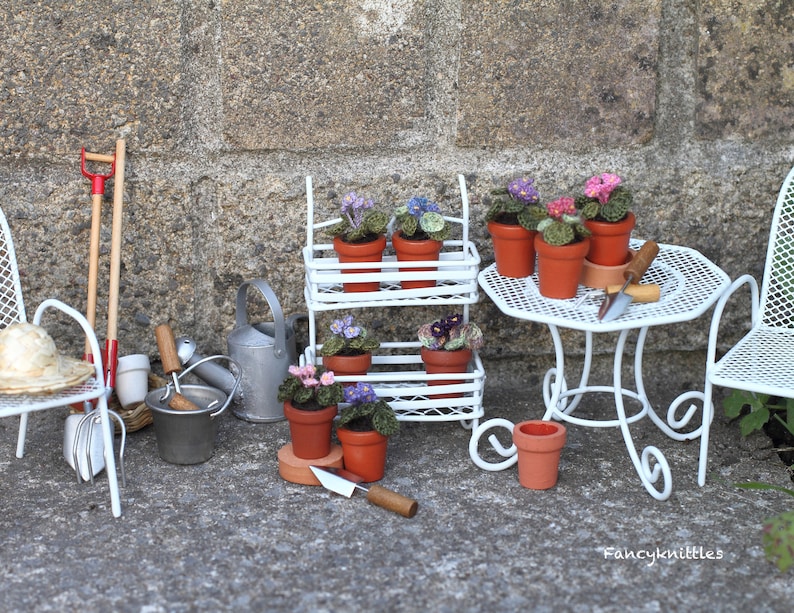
{"x": 737, "y": 400}
{"x": 778, "y": 540}
{"x": 756, "y": 485}
{"x": 754, "y": 421}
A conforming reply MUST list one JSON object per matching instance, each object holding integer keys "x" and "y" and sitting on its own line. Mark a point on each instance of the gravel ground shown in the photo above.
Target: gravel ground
{"x": 230, "y": 534}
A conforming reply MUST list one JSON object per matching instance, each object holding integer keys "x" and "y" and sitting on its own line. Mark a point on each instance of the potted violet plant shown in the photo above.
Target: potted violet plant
{"x": 363, "y": 429}
{"x": 349, "y": 350}
{"x": 447, "y": 346}
{"x": 311, "y": 397}
{"x": 419, "y": 236}
{"x": 562, "y": 243}
{"x": 512, "y": 220}
{"x": 605, "y": 208}
{"x": 360, "y": 237}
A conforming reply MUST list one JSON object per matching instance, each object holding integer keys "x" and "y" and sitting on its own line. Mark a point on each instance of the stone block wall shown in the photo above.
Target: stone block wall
{"x": 226, "y": 106}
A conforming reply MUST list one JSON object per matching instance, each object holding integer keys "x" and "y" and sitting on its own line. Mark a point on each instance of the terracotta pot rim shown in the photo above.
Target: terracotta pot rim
{"x": 412, "y": 246}
{"x": 512, "y": 230}
{"x": 339, "y": 240}
{"x": 570, "y": 251}
{"x": 612, "y": 228}
{"x": 400, "y": 236}
{"x": 297, "y": 412}
{"x": 454, "y": 355}
{"x": 543, "y": 441}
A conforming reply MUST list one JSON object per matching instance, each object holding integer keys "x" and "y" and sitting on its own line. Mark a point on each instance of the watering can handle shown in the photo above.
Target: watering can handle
{"x": 241, "y": 313}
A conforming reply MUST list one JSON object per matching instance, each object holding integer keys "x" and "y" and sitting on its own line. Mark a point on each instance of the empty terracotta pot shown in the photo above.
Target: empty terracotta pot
{"x": 539, "y": 444}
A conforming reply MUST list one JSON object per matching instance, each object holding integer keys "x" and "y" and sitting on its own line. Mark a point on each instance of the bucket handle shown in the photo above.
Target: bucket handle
{"x": 237, "y": 378}
{"x": 241, "y": 313}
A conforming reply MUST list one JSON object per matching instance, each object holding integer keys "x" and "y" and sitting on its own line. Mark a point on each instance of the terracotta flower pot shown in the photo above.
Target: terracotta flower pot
{"x": 310, "y": 431}
{"x": 364, "y": 453}
{"x": 609, "y": 242}
{"x": 348, "y": 365}
{"x": 513, "y": 249}
{"x": 361, "y": 252}
{"x": 560, "y": 267}
{"x": 415, "y": 251}
{"x": 441, "y": 361}
{"x": 539, "y": 444}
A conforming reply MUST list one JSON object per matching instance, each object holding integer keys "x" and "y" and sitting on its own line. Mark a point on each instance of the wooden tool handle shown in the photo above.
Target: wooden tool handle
{"x": 99, "y": 157}
{"x": 115, "y": 242}
{"x": 641, "y": 261}
{"x": 647, "y": 292}
{"x": 167, "y": 346}
{"x": 392, "y": 501}
{"x": 179, "y": 403}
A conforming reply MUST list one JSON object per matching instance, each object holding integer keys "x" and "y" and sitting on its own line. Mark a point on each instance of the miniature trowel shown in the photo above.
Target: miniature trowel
{"x": 343, "y": 482}
{"x": 614, "y": 304}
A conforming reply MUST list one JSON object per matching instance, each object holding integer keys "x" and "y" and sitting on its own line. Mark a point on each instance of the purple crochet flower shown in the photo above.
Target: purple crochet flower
{"x": 522, "y": 189}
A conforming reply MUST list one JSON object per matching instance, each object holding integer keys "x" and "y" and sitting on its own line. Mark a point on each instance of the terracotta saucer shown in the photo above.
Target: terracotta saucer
{"x": 598, "y": 277}
{"x": 296, "y": 470}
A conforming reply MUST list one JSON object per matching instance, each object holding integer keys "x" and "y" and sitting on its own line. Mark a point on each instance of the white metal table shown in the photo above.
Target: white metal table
{"x": 690, "y": 284}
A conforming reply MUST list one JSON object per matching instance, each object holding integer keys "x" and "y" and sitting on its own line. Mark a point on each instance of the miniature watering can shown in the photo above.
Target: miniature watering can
{"x": 264, "y": 352}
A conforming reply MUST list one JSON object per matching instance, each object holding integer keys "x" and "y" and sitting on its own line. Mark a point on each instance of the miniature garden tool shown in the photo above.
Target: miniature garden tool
{"x": 614, "y": 304}
{"x": 172, "y": 366}
{"x": 110, "y": 357}
{"x": 111, "y": 342}
{"x": 345, "y": 483}
{"x": 97, "y": 192}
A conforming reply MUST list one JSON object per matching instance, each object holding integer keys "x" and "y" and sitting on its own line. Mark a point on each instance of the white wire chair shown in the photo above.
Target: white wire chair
{"x": 12, "y": 307}
{"x": 12, "y": 310}
{"x": 762, "y": 362}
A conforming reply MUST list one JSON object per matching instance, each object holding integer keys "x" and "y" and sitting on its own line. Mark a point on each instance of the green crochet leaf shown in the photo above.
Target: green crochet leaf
{"x": 432, "y": 222}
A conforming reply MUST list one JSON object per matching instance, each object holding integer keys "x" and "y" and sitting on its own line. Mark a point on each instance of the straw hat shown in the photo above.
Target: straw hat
{"x": 30, "y": 363}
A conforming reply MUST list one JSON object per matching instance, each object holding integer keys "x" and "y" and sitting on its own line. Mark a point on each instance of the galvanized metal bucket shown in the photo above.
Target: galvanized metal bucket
{"x": 188, "y": 437}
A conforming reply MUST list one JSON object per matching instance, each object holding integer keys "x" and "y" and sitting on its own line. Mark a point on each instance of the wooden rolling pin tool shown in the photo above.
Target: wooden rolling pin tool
{"x": 172, "y": 366}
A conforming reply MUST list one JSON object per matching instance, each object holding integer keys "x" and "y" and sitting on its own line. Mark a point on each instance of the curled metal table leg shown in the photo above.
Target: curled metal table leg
{"x": 506, "y": 452}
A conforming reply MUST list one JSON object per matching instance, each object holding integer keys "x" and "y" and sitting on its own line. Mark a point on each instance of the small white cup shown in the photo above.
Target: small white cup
{"x": 132, "y": 379}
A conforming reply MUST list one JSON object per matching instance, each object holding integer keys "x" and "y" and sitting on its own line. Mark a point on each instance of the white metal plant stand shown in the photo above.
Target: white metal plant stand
{"x": 397, "y": 373}
{"x": 689, "y": 285}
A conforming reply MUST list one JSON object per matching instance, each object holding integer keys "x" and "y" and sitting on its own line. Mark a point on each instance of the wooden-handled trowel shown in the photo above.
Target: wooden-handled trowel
{"x": 345, "y": 483}
{"x": 614, "y": 304}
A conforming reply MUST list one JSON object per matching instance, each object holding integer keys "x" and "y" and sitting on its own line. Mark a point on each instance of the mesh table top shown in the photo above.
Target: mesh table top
{"x": 689, "y": 284}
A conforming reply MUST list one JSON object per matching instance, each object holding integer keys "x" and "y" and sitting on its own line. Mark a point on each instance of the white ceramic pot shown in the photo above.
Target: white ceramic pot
{"x": 132, "y": 379}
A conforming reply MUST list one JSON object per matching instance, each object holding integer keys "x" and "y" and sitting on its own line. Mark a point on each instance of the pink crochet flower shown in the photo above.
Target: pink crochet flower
{"x": 560, "y": 207}
{"x": 601, "y": 187}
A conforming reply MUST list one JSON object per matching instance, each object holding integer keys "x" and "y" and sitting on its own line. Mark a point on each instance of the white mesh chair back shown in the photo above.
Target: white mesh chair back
{"x": 777, "y": 290}
{"x": 12, "y": 307}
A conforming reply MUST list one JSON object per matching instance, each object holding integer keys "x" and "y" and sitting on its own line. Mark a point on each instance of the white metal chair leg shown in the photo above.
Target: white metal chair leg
{"x": 23, "y": 429}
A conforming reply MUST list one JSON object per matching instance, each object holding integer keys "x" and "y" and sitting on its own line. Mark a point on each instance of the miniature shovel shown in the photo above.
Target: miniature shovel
{"x": 343, "y": 482}
{"x": 614, "y": 304}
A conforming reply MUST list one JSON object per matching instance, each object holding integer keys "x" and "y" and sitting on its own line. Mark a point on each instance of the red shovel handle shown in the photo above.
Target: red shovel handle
{"x": 97, "y": 180}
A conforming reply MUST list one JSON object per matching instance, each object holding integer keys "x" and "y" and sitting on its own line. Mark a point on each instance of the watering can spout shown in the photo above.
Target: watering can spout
{"x": 210, "y": 372}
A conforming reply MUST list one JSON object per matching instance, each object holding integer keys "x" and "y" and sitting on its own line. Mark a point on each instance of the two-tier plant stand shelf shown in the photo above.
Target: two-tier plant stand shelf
{"x": 397, "y": 372}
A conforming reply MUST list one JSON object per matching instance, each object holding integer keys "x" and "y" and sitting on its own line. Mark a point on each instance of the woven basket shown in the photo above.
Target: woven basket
{"x": 140, "y": 416}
